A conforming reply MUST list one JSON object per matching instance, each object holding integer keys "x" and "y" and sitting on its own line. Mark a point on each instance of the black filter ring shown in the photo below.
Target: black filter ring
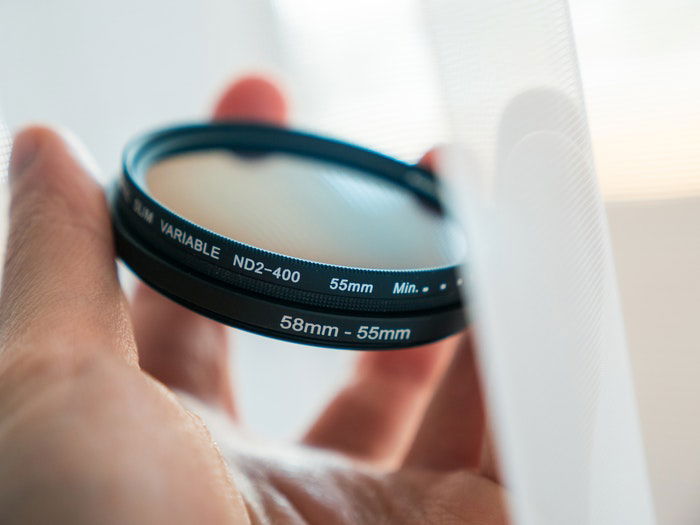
{"x": 328, "y": 328}
{"x": 182, "y": 259}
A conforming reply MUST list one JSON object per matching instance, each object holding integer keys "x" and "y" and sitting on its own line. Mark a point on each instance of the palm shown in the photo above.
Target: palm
{"x": 308, "y": 487}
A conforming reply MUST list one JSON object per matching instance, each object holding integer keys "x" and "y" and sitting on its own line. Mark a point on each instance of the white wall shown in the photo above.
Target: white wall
{"x": 657, "y": 251}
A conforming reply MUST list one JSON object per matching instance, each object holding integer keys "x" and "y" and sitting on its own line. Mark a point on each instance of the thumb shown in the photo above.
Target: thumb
{"x": 59, "y": 282}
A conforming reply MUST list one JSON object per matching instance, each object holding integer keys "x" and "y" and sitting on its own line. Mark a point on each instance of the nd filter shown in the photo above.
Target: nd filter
{"x": 290, "y": 235}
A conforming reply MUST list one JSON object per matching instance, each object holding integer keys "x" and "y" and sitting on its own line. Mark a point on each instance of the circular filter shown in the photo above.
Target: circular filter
{"x": 290, "y": 235}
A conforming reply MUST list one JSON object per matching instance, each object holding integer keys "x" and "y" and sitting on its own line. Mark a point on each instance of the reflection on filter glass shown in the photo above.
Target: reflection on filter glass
{"x": 304, "y": 208}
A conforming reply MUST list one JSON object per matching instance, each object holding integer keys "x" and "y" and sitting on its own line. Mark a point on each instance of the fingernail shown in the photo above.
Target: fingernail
{"x": 25, "y": 148}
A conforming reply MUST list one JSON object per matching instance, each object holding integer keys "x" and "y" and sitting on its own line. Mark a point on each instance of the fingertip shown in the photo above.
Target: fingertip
{"x": 26, "y": 146}
{"x": 429, "y": 159}
{"x": 40, "y": 142}
{"x": 253, "y": 97}
{"x": 52, "y": 165}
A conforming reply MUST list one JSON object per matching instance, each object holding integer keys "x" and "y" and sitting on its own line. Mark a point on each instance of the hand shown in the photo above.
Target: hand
{"x": 90, "y": 431}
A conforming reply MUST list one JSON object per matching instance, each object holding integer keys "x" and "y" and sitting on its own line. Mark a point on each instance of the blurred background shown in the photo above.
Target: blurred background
{"x": 109, "y": 70}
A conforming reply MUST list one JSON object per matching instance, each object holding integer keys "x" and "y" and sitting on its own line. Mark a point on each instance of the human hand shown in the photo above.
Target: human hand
{"x": 90, "y": 431}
